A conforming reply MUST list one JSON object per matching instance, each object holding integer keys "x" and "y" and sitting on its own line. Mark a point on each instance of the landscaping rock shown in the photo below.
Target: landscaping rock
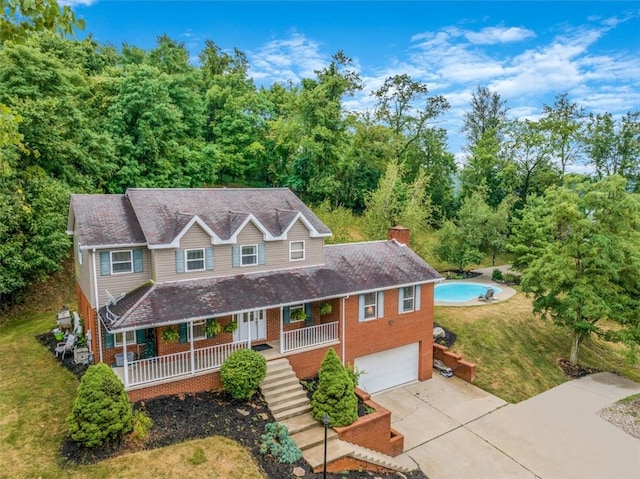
{"x": 438, "y": 333}
{"x": 298, "y": 472}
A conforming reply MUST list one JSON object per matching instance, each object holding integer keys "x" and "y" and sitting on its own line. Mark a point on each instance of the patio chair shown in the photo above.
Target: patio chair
{"x": 488, "y": 296}
{"x": 66, "y": 346}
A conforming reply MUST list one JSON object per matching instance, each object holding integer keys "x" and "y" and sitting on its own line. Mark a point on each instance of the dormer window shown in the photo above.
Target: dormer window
{"x": 121, "y": 262}
{"x": 249, "y": 255}
{"x": 194, "y": 259}
{"x": 296, "y": 251}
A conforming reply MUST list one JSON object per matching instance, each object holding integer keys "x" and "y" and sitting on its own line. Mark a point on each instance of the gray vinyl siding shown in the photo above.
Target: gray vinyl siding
{"x": 276, "y": 253}
{"x": 83, "y": 273}
{"x": 117, "y": 284}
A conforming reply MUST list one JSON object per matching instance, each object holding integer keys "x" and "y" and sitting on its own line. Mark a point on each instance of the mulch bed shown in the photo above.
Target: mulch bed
{"x": 49, "y": 341}
{"x": 575, "y": 371}
{"x": 195, "y": 416}
{"x": 449, "y": 336}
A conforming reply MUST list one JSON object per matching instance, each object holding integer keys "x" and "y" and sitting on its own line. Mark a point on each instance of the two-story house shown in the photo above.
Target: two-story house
{"x": 171, "y": 281}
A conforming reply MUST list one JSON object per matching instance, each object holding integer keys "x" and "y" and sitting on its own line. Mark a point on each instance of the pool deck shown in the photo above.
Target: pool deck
{"x": 485, "y": 279}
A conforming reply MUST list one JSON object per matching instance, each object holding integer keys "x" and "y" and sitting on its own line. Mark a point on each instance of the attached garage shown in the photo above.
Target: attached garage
{"x": 389, "y": 368}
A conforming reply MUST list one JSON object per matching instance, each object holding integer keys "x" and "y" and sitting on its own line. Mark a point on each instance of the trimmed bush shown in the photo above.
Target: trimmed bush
{"x": 279, "y": 444}
{"x": 335, "y": 395}
{"x": 101, "y": 411}
{"x": 496, "y": 275}
{"x": 242, "y": 373}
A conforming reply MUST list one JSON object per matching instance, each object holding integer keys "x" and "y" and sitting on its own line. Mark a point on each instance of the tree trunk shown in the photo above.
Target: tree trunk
{"x": 575, "y": 346}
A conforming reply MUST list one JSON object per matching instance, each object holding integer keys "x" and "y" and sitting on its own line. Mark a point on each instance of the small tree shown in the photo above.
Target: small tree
{"x": 101, "y": 411}
{"x": 335, "y": 395}
{"x": 242, "y": 372}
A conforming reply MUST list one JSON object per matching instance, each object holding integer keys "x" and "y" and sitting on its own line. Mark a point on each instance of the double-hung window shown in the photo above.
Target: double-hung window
{"x": 198, "y": 330}
{"x": 407, "y": 297}
{"x": 371, "y": 305}
{"x": 194, "y": 259}
{"x": 296, "y": 250}
{"x": 129, "y": 335}
{"x": 249, "y": 255}
{"x": 121, "y": 262}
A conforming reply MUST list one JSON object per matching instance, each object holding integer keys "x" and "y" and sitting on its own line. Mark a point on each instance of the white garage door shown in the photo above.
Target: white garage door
{"x": 389, "y": 368}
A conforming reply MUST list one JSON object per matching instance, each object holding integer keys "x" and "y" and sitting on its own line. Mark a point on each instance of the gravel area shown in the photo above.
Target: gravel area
{"x": 625, "y": 414}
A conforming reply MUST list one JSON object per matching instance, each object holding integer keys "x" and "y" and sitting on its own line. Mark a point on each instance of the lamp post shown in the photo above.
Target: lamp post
{"x": 325, "y": 421}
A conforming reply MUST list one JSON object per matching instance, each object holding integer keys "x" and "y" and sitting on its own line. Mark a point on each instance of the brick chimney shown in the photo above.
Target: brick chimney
{"x": 400, "y": 234}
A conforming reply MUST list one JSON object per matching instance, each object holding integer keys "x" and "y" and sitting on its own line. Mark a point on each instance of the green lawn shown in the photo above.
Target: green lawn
{"x": 516, "y": 353}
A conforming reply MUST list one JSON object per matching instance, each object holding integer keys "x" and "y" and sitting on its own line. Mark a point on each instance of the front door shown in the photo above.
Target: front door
{"x": 251, "y": 326}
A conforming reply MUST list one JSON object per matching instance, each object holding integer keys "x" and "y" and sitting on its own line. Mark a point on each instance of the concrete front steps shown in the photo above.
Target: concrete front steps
{"x": 288, "y": 402}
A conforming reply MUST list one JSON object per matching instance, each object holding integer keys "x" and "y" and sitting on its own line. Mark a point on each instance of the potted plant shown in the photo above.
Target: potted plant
{"x": 231, "y": 327}
{"x": 325, "y": 308}
{"x": 212, "y": 327}
{"x": 298, "y": 315}
{"x": 170, "y": 335}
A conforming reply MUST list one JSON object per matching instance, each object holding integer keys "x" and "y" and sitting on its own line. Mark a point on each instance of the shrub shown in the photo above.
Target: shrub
{"x": 511, "y": 278}
{"x": 335, "y": 395}
{"x": 142, "y": 424}
{"x": 242, "y": 372}
{"x": 496, "y": 275}
{"x": 354, "y": 374}
{"x": 101, "y": 411}
{"x": 279, "y": 444}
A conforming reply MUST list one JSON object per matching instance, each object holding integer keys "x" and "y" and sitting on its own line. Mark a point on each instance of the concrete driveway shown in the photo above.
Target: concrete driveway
{"x": 454, "y": 430}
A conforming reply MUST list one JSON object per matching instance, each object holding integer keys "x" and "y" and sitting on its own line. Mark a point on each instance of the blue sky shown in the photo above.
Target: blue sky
{"x": 528, "y": 52}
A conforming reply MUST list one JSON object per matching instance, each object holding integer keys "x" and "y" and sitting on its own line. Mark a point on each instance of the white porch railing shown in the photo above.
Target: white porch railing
{"x": 308, "y": 336}
{"x": 159, "y": 368}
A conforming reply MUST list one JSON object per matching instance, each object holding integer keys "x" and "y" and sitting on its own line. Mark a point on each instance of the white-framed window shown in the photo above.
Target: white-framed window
{"x": 194, "y": 259}
{"x": 297, "y": 313}
{"x": 296, "y": 250}
{"x": 121, "y": 262}
{"x": 198, "y": 330}
{"x": 407, "y": 299}
{"x": 249, "y": 255}
{"x": 371, "y": 305}
{"x": 130, "y": 336}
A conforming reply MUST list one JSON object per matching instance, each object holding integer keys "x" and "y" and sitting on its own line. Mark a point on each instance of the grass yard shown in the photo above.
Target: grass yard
{"x": 36, "y": 394}
{"x": 516, "y": 353}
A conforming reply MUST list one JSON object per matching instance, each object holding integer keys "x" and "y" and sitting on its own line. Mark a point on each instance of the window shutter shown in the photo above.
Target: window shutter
{"x": 416, "y": 300}
{"x": 182, "y": 330}
{"x": 137, "y": 261}
{"x": 208, "y": 254}
{"x": 109, "y": 340}
{"x": 380, "y": 304}
{"x": 400, "y": 300}
{"x": 286, "y": 315}
{"x": 105, "y": 264}
{"x": 261, "y": 254}
{"x": 361, "y": 307}
{"x": 179, "y": 261}
{"x": 307, "y": 311}
{"x": 235, "y": 256}
{"x": 140, "y": 336}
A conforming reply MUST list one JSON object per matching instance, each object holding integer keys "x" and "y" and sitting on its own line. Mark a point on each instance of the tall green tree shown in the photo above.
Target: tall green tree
{"x": 488, "y": 115}
{"x": 613, "y": 147}
{"x": 590, "y": 270}
{"x": 19, "y": 19}
{"x": 561, "y": 124}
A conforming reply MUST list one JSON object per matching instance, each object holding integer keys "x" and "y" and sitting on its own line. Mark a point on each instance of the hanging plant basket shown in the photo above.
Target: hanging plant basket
{"x": 170, "y": 335}
{"x": 325, "y": 308}
{"x": 212, "y": 327}
{"x": 231, "y": 327}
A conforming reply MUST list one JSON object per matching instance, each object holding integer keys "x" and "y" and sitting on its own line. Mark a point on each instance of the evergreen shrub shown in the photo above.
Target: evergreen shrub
{"x": 101, "y": 411}
{"x": 242, "y": 372}
{"x": 277, "y": 442}
{"x": 335, "y": 395}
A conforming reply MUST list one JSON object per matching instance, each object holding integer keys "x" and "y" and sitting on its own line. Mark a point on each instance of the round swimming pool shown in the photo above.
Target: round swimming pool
{"x": 455, "y": 292}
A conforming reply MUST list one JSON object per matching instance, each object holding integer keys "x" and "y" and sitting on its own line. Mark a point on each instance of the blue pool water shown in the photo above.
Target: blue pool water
{"x": 460, "y": 292}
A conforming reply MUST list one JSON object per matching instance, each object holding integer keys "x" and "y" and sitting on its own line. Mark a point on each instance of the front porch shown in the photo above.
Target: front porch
{"x": 172, "y": 367}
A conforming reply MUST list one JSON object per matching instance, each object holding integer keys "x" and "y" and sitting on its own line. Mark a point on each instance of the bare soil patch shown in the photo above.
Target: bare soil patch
{"x": 575, "y": 371}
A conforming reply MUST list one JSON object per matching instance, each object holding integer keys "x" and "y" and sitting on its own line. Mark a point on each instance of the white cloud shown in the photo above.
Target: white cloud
{"x": 493, "y": 35}
{"x": 75, "y": 3}
{"x": 289, "y": 59}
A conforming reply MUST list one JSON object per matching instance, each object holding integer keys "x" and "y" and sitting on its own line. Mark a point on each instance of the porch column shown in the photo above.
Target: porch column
{"x": 193, "y": 359}
{"x": 251, "y": 315}
{"x": 281, "y": 331}
{"x": 124, "y": 360}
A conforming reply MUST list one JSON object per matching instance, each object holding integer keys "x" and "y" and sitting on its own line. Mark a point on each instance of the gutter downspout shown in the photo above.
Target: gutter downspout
{"x": 95, "y": 290}
{"x": 344, "y": 334}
